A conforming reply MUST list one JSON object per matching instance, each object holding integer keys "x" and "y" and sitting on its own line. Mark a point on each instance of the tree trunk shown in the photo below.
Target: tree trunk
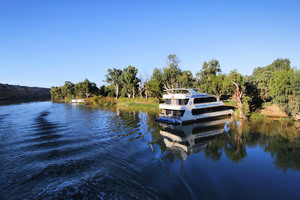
{"x": 141, "y": 92}
{"x": 219, "y": 97}
{"x": 117, "y": 90}
{"x": 158, "y": 98}
{"x": 239, "y": 101}
{"x": 146, "y": 93}
{"x": 133, "y": 93}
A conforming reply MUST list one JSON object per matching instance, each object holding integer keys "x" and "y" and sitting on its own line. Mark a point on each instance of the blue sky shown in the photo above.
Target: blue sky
{"x": 44, "y": 43}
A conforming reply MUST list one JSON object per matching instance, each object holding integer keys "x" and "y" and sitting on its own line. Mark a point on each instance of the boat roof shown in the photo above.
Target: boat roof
{"x": 191, "y": 91}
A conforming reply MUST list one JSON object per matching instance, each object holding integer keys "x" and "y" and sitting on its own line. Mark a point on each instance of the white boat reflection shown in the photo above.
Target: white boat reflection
{"x": 193, "y": 137}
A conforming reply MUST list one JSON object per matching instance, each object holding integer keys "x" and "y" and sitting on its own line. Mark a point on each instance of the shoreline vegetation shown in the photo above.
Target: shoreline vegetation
{"x": 276, "y": 85}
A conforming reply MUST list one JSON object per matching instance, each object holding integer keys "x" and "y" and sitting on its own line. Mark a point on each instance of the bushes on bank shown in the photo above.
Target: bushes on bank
{"x": 103, "y": 101}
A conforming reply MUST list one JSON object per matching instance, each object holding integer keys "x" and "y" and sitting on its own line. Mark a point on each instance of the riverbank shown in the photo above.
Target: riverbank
{"x": 151, "y": 104}
{"x": 137, "y": 104}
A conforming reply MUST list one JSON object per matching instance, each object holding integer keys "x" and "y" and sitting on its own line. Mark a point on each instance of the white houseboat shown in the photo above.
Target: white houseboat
{"x": 186, "y": 105}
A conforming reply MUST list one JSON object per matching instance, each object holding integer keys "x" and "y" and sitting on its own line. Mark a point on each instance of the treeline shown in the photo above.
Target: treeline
{"x": 9, "y": 92}
{"x": 278, "y": 83}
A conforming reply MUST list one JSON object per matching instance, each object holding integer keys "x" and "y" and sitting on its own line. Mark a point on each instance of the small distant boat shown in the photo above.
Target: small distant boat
{"x": 77, "y": 101}
{"x": 186, "y": 105}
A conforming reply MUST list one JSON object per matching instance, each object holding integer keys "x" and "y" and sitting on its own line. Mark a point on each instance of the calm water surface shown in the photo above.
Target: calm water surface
{"x": 61, "y": 151}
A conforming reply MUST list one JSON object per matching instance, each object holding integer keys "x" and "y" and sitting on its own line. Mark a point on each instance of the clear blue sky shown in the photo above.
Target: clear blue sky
{"x": 44, "y": 43}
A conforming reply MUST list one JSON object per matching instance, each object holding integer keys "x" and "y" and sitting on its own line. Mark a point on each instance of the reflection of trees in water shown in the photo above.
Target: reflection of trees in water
{"x": 282, "y": 141}
{"x": 232, "y": 143}
{"x": 278, "y": 138}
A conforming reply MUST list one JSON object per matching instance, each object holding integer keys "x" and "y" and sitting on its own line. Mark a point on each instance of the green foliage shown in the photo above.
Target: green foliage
{"x": 185, "y": 79}
{"x": 279, "y": 83}
{"x": 155, "y": 84}
{"x": 285, "y": 90}
{"x": 130, "y": 81}
{"x": 114, "y": 77}
{"x": 103, "y": 101}
{"x": 56, "y": 94}
{"x": 246, "y": 105}
{"x": 210, "y": 79}
{"x": 69, "y": 91}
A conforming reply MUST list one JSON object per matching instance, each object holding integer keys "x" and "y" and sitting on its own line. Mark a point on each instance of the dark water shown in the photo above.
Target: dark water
{"x": 60, "y": 151}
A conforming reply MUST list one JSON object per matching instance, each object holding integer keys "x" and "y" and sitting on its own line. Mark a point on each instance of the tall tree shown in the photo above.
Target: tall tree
{"x": 235, "y": 83}
{"x": 144, "y": 78}
{"x": 155, "y": 84}
{"x": 171, "y": 72}
{"x": 210, "y": 78}
{"x": 130, "y": 80}
{"x": 114, "y": 77}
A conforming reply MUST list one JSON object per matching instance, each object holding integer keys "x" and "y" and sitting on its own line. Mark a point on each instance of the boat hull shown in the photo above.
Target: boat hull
{"x": 196, "y": 118}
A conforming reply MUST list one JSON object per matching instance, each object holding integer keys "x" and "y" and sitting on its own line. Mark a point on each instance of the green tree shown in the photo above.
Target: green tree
{"x": 155, "y": 84}
{"x": 185, "y": 79}
{"x": 279, "y": 83}
{"x": 86, "y": 88}
{"x": 56, "y": 94}
{"x": 235, "y": 84}
{"x": 261, "y": 78}
{"x": 68, "y": 90}
{"x": 170, "y": 73}
{"x": 210, "y": 79}
{"x": 114, "y": 77}
{"x": 130, "y": 81}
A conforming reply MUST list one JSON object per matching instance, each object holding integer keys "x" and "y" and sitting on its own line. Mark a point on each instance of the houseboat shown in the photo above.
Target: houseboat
{"x": 186, "y": 105}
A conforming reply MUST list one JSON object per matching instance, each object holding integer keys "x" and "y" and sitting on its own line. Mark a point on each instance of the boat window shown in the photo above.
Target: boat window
{"x": 179, "y": 113}
{"x": 177, "y": 101}
{"x": 183, "y": 101}
{"x": 205, "y": 100}
{"x": 208, "y": 110}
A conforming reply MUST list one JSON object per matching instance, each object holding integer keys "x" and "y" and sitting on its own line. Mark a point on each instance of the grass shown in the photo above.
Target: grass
{"x": 124, "y": 103}
{"x": 138, "y": 104}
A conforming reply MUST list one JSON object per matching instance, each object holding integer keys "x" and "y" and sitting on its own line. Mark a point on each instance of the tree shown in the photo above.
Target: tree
{"x": 144, "y": 79}
{"x": 86, "y": 88}
{"x": 114, "y": 77}
{"x": 170, "y": 73}
{"x": 185, "y": 79}
{"x": 155, "y": 85}
{"x": 235, "y": 83}
{"x": 261, "y": 78}
{"x": 210, "y": 79}
{"x": 285, "y": 90}
{"x": 68, "y": 90}
{"x": 278, "y": 82}
{"x": 130, "y": 81}
{"x": 56, "y": 93}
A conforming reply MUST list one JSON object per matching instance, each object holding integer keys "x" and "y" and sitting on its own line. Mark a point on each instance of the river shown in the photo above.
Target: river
{"x": 62, "y": 151}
